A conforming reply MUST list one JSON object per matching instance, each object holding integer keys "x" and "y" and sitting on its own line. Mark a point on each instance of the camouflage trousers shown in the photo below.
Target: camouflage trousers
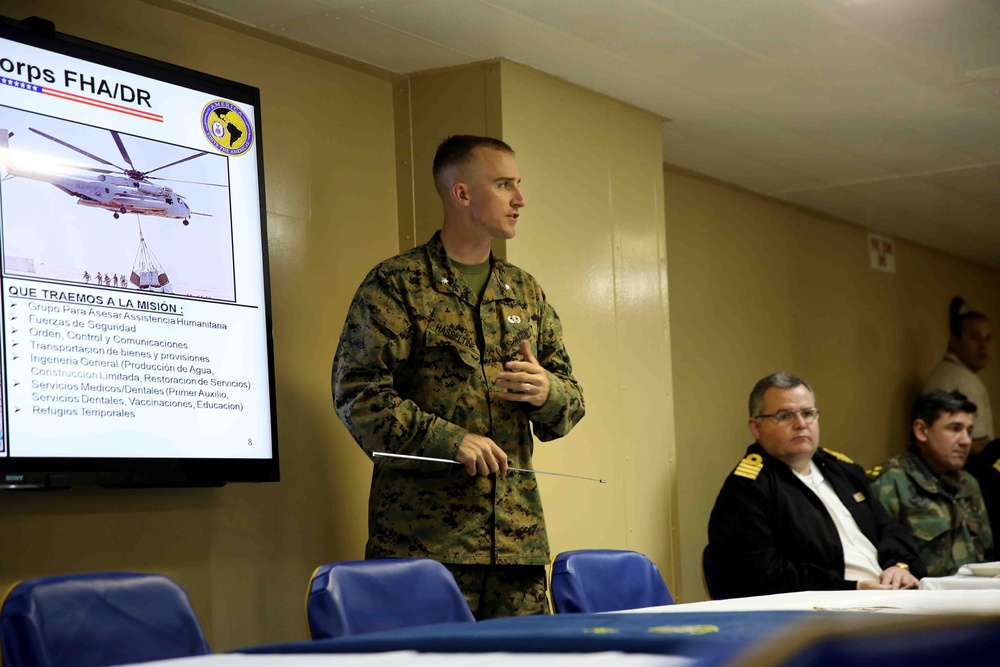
{"x": 497, "y": 591}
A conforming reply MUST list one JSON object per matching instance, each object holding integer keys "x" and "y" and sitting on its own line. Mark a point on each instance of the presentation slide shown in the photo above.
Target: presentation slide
{"x": 134, "y": 279}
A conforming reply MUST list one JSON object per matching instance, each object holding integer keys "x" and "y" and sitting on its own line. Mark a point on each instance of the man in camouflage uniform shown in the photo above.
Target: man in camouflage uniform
{"x": 450, "y": 352}
{"x": 926, "y": 490}
{"x": 970, "y": 347}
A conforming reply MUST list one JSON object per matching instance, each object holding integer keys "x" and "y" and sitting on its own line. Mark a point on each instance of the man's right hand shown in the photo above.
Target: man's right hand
{"x": 481, "y": 456}
{"x": 872, "y": 585}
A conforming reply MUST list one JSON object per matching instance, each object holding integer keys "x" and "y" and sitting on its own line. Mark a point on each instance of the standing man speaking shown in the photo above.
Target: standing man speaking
{"x": 450, "y": 352}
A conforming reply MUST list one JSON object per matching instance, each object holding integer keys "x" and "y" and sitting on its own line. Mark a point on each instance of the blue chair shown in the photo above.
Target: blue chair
{"x": 594, "y": 580}
{"x": 97, "y": 619}
{"x": 710, "y": 575}
{"x": 362, "y": 596}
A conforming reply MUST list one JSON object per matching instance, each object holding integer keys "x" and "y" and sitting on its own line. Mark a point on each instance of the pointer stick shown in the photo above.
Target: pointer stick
{"x": 537, "y": 472}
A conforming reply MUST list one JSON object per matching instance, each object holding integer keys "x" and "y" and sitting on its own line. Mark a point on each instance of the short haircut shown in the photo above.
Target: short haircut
{"x": 959, "y": 314}
{"x": 779, "y": 380}
{"x": 457, "y": 149}
{"x": 932, "y": 405}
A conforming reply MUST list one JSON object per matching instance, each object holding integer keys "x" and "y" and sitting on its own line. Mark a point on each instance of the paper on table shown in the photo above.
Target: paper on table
{"x": 983, "y": 569}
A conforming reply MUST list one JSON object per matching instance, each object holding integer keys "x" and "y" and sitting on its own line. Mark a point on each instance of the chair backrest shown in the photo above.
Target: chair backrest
{"x": 361, "y": 596}
{"x": 97, "y": 619}
{"x": 593, "y": 580}
{"x": 709, "y": 575}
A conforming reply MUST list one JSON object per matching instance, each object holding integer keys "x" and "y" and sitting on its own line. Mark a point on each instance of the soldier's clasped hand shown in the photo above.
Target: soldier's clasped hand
{"x": 525, "y": 381}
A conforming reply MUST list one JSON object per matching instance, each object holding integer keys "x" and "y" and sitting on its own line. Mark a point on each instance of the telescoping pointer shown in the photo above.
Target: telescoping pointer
{"x": 537, "y": 472}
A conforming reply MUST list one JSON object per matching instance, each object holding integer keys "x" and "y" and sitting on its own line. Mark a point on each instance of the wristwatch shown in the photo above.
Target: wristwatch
{"x": 902, "y": 566}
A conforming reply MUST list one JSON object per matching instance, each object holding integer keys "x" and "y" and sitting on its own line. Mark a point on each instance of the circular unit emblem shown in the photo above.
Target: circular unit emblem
{"x": 226, "y": 127}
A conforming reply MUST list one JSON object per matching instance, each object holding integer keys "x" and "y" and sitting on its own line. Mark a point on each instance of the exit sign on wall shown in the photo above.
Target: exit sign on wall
{"x": 882, "y": 253}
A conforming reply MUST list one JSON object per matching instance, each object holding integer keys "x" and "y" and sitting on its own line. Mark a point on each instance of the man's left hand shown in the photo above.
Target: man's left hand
{"x": 525, "y": 381}
{"x": 898, "y": 578}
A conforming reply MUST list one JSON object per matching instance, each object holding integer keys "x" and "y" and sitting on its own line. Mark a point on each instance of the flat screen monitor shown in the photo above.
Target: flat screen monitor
{"x": 136, "y": 339}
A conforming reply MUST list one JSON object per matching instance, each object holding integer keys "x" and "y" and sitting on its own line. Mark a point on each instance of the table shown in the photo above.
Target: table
{"x": 890, "y": 602}
{"x": 415, "y": 659}
{"x": 963, "y": 580}
{"x": 715, "y": 636}
{"x": 706, "y": 634}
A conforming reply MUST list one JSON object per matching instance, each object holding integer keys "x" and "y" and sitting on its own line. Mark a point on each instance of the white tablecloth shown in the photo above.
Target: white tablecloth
{"x": 959, "y": 583}
{"x": 963, "y": 580}
{"x": 890, "y": 602}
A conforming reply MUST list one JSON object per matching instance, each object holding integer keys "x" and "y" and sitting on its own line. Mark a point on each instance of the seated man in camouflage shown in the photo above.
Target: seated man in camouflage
{"x": 926, "y": 490}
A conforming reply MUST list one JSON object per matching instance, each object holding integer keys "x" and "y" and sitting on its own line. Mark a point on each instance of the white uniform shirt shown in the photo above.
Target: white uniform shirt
{"x": 860, "y": 555}
{"x": 952, "y": 375}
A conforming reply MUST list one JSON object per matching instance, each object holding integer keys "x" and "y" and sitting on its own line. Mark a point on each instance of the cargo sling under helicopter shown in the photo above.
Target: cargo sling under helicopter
{"x": 124, "y": 191}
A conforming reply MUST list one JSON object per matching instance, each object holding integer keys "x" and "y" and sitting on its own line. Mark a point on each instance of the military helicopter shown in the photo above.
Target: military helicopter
{"x": 124, "y": 191}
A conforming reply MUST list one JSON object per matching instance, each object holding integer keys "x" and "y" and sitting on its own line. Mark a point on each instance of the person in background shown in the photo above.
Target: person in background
{"x": 926, "y": 490}
{"x": 792, "y": 517}
{"x": 451, "y": 352}
{"x": 970, "y": 346}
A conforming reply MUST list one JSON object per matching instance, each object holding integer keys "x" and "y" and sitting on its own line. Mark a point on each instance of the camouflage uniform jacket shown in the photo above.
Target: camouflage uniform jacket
{"x": 944, "y": 513}
{"x": 409, "y": 378}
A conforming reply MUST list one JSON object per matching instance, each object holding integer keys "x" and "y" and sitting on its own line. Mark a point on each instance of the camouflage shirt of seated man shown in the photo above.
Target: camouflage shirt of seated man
{"x": 926, "y": 490}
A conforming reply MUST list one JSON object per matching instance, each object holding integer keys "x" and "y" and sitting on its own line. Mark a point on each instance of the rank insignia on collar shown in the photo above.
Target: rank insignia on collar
{"x": 750, "y": 466}
{"x": 996, "y": 465}
{"x": 859, "y": 497}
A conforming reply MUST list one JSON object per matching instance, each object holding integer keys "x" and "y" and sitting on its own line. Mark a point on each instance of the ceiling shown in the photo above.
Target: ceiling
{"x": 884, "y": 113}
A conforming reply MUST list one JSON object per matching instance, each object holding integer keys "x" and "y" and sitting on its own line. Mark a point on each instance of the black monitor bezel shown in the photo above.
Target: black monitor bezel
{"x": 63, "y": 472}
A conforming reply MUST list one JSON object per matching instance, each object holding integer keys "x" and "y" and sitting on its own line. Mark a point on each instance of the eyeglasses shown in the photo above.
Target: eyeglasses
{"x": 784, "y": 417}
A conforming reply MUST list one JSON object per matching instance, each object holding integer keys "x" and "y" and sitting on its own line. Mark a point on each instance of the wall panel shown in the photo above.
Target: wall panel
{"x": 592, "y": 234}
{"x": 756, "y": 287}
{"x": 245, "y": 552}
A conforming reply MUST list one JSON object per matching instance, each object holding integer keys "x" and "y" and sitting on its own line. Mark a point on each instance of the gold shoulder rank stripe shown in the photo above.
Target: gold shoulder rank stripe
{"x": 874, "y": 473}
{"x": 750, "y": 466}
{"x": 996, "y": 464}
{"x": 859, "y": 497}
{"x": 837, "y": 455}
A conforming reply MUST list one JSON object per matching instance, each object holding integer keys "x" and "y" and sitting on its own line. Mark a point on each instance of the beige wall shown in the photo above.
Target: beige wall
{"x": 463, "y": 100}
{"x": 592, "y": 234}
{"x": 245, "y": 552}
{"x": 459, "y": 100}
{"x": 756, "y": 287}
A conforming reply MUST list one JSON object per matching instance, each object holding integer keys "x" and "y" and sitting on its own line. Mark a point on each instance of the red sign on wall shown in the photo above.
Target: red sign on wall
{"x": 882, "y": 253}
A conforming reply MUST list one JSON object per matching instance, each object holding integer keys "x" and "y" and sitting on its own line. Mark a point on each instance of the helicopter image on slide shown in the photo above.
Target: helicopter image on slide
{"x": 127, "y": 190}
